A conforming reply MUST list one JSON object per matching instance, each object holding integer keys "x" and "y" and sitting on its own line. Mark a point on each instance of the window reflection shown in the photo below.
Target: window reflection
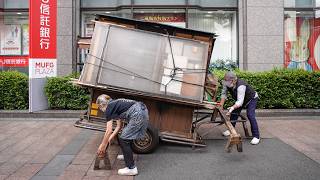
{"x": 302, "y": 40}
{"x": 223, "y": 23}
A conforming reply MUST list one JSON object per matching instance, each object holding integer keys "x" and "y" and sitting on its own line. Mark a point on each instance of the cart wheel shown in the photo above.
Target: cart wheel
{"x": 239, "y": 147}
{"x": 148, "y": 143}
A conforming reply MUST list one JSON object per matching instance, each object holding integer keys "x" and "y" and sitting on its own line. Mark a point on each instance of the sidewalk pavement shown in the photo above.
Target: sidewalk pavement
{"x": 55, "y": 149}
{"x": 45, "y": 150}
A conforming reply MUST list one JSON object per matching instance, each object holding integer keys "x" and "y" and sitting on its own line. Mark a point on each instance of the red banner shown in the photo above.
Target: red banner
{"x": 43, "y": 18}
{"x": 14, "y": 61}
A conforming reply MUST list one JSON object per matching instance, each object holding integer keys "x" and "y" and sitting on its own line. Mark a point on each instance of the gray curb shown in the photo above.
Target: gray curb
{"x": 67, "y": 114}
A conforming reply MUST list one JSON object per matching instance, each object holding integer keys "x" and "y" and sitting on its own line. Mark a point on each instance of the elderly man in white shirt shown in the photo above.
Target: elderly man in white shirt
{"x": 246, "y": 97}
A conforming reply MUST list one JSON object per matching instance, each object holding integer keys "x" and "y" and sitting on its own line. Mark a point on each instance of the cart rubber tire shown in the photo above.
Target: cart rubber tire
{"x": 149, "y": 143}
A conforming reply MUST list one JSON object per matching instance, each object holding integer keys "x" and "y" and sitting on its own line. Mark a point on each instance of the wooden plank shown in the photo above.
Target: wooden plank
{"x": 202, "y": 38}
{"x": 175, "y": 118}
{"x": 183, "y": 35}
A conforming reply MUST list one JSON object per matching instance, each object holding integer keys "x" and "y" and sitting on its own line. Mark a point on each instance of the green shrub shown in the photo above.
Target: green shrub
{"x": 13, "y": 90}
{"x": 62, "y": 94}
{"x": 279, "y": 88}
{"x": 282, "y": 88}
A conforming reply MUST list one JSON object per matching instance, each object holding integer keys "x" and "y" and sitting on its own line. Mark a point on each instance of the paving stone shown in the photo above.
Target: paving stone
{"x": 3, "y": 177}
{"x": 70, "y": 176}
{"x": 77, "y": 168}
{"x": 5, "y": 144}
{"x": 100, "y": 172}
{"x": 28, "y": 170}
{"x": 314, "y": 156}
{"x": 117, "y": 177}
{"x": 21, "y": 158}
{"x": 73, "y": 147}
{"x": 75, "y": 171}
{"x": 94, "y": 178}
{"x": 9, "y": 168}
{"x": 46, "y": 141}
{"x": 44, "y": 177}
{"x": 88, "y": 151}
{"x": 3, "y": 159}
{"x": 83, "y": 158}
{"x": 18, "y": 178}
{"x": 45, "y": 155}
{"x": 56, "y": 166}
{"x": 85, "y": 134}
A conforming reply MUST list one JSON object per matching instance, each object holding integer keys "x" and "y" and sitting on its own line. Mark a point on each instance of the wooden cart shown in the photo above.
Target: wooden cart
{"x": 164, "y": 67}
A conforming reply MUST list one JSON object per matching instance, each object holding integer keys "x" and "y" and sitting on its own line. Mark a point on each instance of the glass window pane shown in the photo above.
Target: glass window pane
{"x": 224, "y": 24}
{"x": 302, "y": 40}
{"x": 14, "y": 33}
{"x": 317, "y": 13}
{"x": 88, "y": 25}
{"x": 131, "y": 63}
{"x": 298, "y": 3}
{"x": 317, "y": 3}
{"x": 159, "y": 2}
{"x": 104, "y": 3}
{"x": 89, "y": 16}
{"x": 16, "y": 4}
{"x": 14, "y": 41}
{"x": 214, "y": 3}
{"x": 89, "y": 75}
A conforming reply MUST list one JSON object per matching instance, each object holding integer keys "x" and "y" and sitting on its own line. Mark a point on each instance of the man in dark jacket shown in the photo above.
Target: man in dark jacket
{"x": 246, "y": 97}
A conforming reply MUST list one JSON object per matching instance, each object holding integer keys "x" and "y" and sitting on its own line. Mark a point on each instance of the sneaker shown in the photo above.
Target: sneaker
{"x": 120, "y": 157}
{"x": 128, "y": 172}
{"x": 255, "y": 141}
{"x": 226, "y": 133}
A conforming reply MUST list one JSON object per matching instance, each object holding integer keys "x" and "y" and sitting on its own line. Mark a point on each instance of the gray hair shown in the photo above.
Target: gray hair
{"x": 230, "y": 76}
{"x": 103, "y": 99}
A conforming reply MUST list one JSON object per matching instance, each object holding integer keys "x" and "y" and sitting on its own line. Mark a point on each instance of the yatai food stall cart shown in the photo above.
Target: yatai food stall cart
{"x": 161, "y": 65}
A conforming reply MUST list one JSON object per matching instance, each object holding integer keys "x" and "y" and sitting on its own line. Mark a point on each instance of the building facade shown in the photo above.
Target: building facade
{"x": 257, "y": 35}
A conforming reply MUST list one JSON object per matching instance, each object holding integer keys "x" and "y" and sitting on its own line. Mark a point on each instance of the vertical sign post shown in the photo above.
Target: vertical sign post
{"x": 42, "y": 48}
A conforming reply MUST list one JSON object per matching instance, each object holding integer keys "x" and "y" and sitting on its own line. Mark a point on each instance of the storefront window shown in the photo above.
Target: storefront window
{"x": 88, "y": 18}
{"x": 104, "y": 3}
{"x": 16, "y": 4}
{"x": 214, "y": 3}
{"x": 224, "y": 24}
{"x": 14, "y": 40}
{"x": 88, "y": 26}
{"x": 302, "y": 40}
{"x": 159, "y": 2}
{"x": 14, "y": 33}
{"x": 181, "y": 13}
{"x": 299, "y": 3}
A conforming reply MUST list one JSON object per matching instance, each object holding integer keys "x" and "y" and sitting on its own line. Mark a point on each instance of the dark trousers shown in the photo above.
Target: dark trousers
{"x": 251, "y": 114}
{"x": 125, "y": 145}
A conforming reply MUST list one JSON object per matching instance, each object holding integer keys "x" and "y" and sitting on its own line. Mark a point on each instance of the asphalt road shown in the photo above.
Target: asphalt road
{"x": 272, "y": 159}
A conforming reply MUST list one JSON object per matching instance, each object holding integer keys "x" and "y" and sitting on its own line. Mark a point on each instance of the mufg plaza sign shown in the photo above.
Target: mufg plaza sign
{"x": 42, "y": 56}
